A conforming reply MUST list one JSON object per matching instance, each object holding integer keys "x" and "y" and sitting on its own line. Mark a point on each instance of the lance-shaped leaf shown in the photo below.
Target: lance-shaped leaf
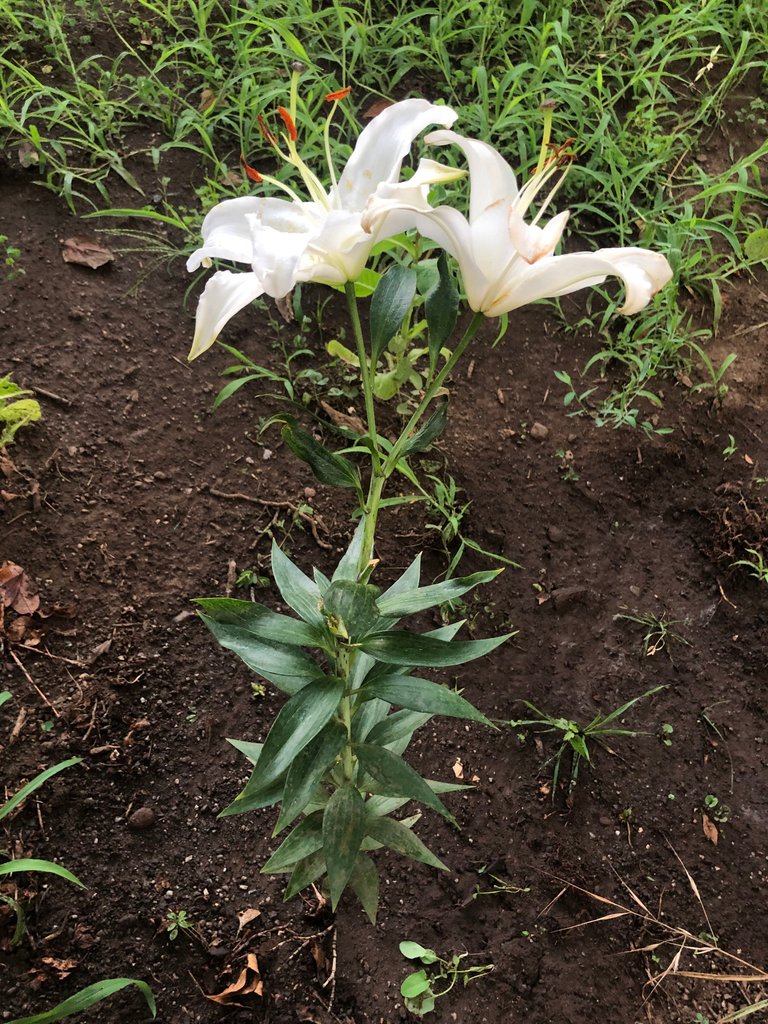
{"x": 303, "y": 841}
{"x": 88, "y": 997}
{"x": 329, "y": 468}
{"x": 308, "y": 769}
{"x": 431, "y": 430}
{"x": 344, "y": 824}
{"x": 389, "y": 307}
{"x": 396, "y": 836}
{"x": 298, "y": 722}
{"x": 13, "y": 867}
{"x": 394, "y": 777}
{"x": 365, "y": 885}
{"x": 398, "y": 647}
{"x": 347, "y": 567}
{"x": 34, "y": 784}
{"x": 421, "y": 598}
{"x": 351, "y": 608}
{"x": 401, "y": 725}
{"x": 259, "y": 798}
{"x": 288, "y": 669}
{"x": 305, "y": 873}
{"x": 298, "y": 591}
{"x": 423, "y": 695}
{"x": 262, "y": 623}
{"x": 441, "y": 308}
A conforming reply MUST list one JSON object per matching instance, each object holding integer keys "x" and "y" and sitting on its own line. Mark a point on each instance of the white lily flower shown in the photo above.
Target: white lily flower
{"x": 504, "y": 261}
{"x": 321, "y": 239}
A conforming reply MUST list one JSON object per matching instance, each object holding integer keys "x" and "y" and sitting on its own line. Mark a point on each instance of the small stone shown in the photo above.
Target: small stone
{"x": 555, "y": 534}
{"x": 635, "y": 591}
{"x": 142, "y": 819}
{"x": 539, "y": 432}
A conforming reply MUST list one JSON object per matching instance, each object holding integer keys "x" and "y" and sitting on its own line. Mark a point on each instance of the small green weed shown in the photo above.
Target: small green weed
{"x": 436, "y": 978}
{"x": 658, "y": 631}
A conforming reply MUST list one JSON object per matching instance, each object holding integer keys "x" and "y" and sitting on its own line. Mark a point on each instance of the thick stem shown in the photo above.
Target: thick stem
{"x": 366, "y": 373}
{"x": 392, "y": 459}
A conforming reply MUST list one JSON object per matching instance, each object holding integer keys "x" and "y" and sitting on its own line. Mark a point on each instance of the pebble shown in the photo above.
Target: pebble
{"x": 555, "y": 534}
{"x": 539, "y": 432}
{"x": 142, "y": 819}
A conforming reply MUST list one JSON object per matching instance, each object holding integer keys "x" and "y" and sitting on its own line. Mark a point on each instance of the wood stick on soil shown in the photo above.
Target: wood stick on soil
{"x": 311, "y": 521}
{"x": 32, "y": 682}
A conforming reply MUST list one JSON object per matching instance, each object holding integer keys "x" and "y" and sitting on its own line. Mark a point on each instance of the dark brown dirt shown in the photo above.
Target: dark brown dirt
{"x": 127, "y": 506}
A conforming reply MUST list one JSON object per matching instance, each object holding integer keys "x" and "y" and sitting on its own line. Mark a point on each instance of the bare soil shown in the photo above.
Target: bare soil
{"x": 131, "y": 498}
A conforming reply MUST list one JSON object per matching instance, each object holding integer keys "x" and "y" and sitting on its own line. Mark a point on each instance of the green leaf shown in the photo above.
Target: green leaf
{"x": 365, "y": 885}
{"x": 329, "y": 468}
{"x": 413, "y": 951}
{"x": 394, "y": 777}
{"x": 5, "y": 696}
{"x": 756, "y": 244}
{"x": 255, "y": 801}
{"x": 441, "y": 308}
{"x": 297, "y": 590}
{"x": 347, "y": 567}
{"x": 397, "y": 647}
{"x": 88, "y": 997}
{"x": 35, "y": 784}
{"x": 403, "y": 724}
{"x": 396, "y": 836}
{"x": 408, "y": 581}
{"x": 261, "y": 622}
{"x": 303, "y": 841}
{"x": 420, "y": 599}
{"x": 431, "y": 430}
{"x": 297, "y": 723}
{"x": 13, "y": 867}
{"x": 338, "y": 351}
{"x": 351, "y": 608}
{"x": 288, "y": 669}
{"x": 344, "y": 824}
{"x": 389, "y": 307}
{"x": 423, "y": 695}
{"x": 308, "y": 769}
{"x": 415, "y": 984}
{"x": 251, "y": 750}
{"x": 305, "y": 872}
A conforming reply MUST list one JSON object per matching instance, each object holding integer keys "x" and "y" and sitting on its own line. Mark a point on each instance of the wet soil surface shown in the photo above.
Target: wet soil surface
{"x": 130, "y": 498}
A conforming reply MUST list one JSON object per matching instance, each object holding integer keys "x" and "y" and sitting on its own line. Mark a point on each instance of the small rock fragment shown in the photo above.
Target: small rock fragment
{"x": 142, "y": 819}
{"x": 539, "y": 432}
{"x": 555, "y": 534}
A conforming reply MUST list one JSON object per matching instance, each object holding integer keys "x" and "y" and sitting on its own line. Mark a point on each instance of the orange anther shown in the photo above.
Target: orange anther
{"x": 288, "y": 122}
{"x": 340, "y": 94}
{"x": 251, "y": 172}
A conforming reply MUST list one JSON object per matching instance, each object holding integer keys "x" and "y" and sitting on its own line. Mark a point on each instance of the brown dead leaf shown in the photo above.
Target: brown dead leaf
{"x": 98, "y": 651}
{"x": 86, "y": 252}
{"x": 343, "y": 419}
{"x": 62, "y": 967}
{"x": 248, "y": 983}
{"x": 749, "y": 460}
{"x": 318, "y": 955}
{"x": 232, "y": 178}
{"x": 710, "y": 829}
{"x": 28, "y": 155}
{"x": 15, "y": 590}
{"x": 376, "y": 108}
{"x": 246, "y": 916}
{"x": 458, "y": 768}
{"x": 8, "y": 495}
{"x": 285, "y": 307}
{"x": 17, "y": 629}
{"x": 207, "y": 100}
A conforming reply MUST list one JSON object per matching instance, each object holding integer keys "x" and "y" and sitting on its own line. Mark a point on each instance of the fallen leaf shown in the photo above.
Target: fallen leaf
{"x": 85, "y": 252}
{"x": 458, "y": 768}
{"x": 343, "y": 419}
{"x": 248, "y": 983}
{"x": 16, "y": 630}
{"x": 376, "y": 108}
{"x": 207, "y": 100}
{"x": 62, "y": 967}
{"x": 28, "y": 155}
{"x": 98, "y": 651}
{"x": 232, "y": 178}
{"x": 710, "y": 829}
{"x": 246, "y": 916}
{"x": 285, "y": 307}
{"x": 15, "y": 590}
{"x": 749, "y": 460}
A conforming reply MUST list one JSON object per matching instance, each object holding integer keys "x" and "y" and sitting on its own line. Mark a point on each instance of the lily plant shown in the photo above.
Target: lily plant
{"x": 332, "y": 761}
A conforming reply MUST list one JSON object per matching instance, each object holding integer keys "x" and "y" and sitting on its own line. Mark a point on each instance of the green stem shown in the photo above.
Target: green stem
{"x": 393, "y": 457}
{"x": 366, "y": 373}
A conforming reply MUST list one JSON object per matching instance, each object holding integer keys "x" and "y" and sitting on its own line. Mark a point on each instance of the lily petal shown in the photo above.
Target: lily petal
{"x": 383, "y": 145}
{"x": 225, "y": 294}
{"x": 642, "y": 272}
{"x": 226, "y": 232}
{"x": 491, "y": 177}
{"x": 532, "y": 242}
